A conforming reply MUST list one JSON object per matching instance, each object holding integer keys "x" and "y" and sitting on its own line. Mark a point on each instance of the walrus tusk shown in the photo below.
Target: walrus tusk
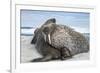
{"x": 49, "y": 38}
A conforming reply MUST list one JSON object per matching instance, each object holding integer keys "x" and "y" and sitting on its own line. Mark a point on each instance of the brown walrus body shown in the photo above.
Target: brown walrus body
{"x": 62, "y": 36}
{"x": 62, "y": 40}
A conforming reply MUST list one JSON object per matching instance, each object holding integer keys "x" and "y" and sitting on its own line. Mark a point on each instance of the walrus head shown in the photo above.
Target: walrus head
{"x": 48, "y": 28}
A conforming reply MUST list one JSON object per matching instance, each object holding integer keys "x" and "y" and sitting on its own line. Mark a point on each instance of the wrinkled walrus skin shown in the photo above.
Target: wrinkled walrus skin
{"x": 62, "y": 36}
{"x": 64, "y": 39}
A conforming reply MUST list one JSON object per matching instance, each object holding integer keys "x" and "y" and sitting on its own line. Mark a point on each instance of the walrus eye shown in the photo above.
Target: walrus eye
{"x": 46, "y": 30}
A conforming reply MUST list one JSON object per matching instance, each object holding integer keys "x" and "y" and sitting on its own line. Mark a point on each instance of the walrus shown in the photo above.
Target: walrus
{"x": 44, "y": 47}
{"x": 64, "y": 38}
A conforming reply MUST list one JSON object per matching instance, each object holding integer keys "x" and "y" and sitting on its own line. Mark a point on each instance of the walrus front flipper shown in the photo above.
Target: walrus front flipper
{"x": 65, "y": 54}
{"x": 44, "y": 59}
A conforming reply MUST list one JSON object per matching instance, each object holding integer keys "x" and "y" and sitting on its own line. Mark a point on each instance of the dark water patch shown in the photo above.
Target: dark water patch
{"x": 26, "y": 34}
{"x": 26, "y": 27}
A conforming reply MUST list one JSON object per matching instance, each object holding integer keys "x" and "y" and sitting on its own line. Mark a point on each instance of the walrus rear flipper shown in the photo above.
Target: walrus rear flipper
{"x": 44, "y": 59}
{"x": 65, "y": 54}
